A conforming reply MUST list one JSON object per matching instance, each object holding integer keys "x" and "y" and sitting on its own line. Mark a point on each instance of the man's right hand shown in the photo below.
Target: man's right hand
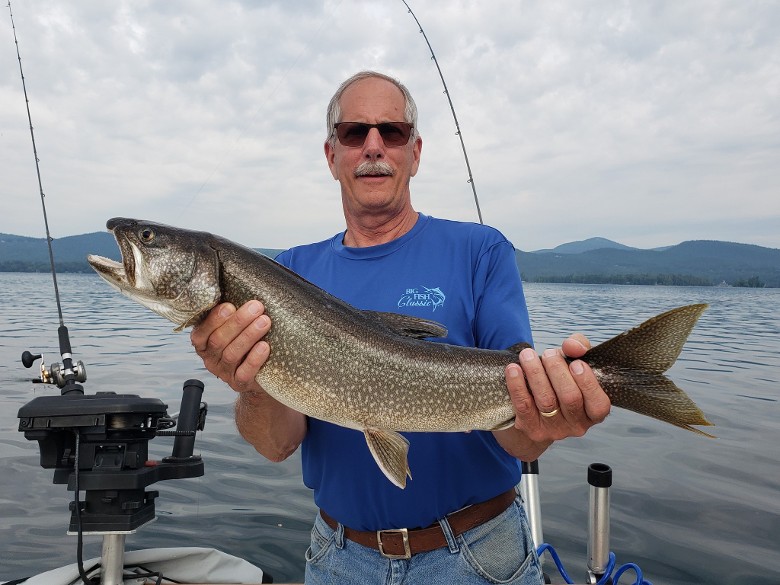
{"x": 230, "y": 343}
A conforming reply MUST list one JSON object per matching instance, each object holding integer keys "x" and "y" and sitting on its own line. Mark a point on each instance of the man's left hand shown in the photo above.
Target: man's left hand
{"x": 568, "y": 394}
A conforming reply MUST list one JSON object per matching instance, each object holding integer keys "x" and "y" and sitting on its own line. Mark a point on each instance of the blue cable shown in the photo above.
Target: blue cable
{"x": 545, "y": 547}
{"x": 639, "y": 578}
{"x": 610, "y": 565}
{"x": 548, "y": 547}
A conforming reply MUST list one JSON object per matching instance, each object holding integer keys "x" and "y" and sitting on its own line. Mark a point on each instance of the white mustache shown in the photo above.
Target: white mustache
{"x": 374, "y": 168}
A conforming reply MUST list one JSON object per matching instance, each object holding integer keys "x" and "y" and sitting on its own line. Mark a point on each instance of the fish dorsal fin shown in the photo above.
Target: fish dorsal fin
{"x": 409, "y": 326}
{"x": 518, "y": 347}
{"x": 390, "y": 451}
{"x": 653, "y": 346}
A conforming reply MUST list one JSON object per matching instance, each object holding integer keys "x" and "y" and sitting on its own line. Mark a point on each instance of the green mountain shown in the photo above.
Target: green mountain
{"x": 586, "y": 246}
{"x": 596, "y": 260}
{"x": 699, "y": 262}
{"x": 23, "y": 254}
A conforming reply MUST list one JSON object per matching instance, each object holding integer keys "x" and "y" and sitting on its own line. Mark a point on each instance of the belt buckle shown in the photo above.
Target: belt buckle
{"x": 404, "y": 537}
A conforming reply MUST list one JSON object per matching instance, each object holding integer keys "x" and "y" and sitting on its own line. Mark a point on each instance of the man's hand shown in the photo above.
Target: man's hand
{"x": 568, "y": 394}
{"x": 230, "y": 343}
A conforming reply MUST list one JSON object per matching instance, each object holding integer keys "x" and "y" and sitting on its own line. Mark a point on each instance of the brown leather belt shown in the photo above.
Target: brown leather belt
{"x": 402, "y": 543}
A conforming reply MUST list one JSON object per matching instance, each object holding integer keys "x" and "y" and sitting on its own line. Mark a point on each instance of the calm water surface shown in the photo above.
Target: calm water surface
{"x": 686, "y": 509}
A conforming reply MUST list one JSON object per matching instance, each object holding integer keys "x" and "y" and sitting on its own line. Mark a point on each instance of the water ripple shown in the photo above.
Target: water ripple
{"x": 687, "y": 509}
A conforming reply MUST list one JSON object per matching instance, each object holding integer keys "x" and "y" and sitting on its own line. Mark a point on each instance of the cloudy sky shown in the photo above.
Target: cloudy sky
{"x": 648, "y": 123}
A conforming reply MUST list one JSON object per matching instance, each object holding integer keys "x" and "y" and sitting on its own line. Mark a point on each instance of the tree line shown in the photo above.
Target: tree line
{"x": 643, "y": 279}
{"x": 637, "y": 279}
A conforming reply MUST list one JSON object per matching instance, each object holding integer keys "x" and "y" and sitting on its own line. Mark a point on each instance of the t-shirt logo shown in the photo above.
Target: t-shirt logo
{"x": 422, "y": 297}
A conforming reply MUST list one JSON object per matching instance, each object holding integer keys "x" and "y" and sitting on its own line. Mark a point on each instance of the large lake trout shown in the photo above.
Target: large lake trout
{"x": 370, "y": 371}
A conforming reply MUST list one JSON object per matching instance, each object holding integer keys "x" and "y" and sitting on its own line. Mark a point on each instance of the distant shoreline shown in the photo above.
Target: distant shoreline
{"x": 592, "y": 261}
{"x": 616, "y": 279}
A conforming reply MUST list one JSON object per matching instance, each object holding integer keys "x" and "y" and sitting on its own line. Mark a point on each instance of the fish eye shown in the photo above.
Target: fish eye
{"x": 146, "y": 235}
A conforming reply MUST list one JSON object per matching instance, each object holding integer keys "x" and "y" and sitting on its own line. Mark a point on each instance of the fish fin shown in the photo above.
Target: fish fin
{"x": 409, "y": 326}
{"x": 390, "y": 451}
{"x": 652, "y": 347}
{"x": 653, "y": 395}
{"x": 518, "y": 347}
{"x": 508, "y": 424}
{"x": 699, "y": 431}
{"x": 191, "y": 322}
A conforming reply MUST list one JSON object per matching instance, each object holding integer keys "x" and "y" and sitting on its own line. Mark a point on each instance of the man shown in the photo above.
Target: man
{"x": 458, "y": 520}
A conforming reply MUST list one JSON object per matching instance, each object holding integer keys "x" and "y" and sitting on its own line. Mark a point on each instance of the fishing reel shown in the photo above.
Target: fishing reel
{"x": 57, "y": 373}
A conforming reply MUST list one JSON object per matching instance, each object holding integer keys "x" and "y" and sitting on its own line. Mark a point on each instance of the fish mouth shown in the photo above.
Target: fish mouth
{"x": 112, "y": 271}
{"x": 121, "y": 275}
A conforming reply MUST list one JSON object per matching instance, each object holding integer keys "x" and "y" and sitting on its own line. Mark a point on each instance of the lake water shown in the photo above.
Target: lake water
{"x": 685, "y": 508}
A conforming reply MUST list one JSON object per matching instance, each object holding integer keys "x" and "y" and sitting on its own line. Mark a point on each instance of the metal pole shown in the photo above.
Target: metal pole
{"x": 600, "y": 480}
{"x": 529, "y": 489}
{"x": 112, "y": 559}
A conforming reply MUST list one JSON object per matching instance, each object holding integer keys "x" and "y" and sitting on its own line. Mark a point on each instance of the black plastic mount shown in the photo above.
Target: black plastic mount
{"x": 113, "y": 464}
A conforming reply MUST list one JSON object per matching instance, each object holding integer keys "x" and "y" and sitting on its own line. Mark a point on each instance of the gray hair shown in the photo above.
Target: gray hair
{"x": 334, "y": 107}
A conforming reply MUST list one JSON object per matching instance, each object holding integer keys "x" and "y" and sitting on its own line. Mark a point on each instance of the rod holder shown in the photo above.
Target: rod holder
{"x": 600, "y": 480}
{"x": 189, "y": 411}
{"x": 529, "y": 489}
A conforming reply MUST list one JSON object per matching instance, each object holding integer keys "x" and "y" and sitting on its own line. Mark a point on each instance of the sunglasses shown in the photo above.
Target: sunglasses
{"x": 354, "y": 133}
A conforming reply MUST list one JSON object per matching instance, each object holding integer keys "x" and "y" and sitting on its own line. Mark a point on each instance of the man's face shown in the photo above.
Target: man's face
{"x": 373, "y": 100}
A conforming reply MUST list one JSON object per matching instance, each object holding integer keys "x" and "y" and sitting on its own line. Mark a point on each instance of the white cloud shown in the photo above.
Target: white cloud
{"x": 647, "y": 123}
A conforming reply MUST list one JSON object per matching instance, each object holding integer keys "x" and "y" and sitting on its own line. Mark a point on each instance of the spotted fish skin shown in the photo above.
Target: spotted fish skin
{"x": 371, "y": 371}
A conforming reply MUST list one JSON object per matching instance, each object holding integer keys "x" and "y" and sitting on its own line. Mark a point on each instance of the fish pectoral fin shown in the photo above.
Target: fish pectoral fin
{"x": 409, "y": 326}
{"x": 191, "y": 322}
{"x": 390, "y": 451}
{"x": 508, "y": 424}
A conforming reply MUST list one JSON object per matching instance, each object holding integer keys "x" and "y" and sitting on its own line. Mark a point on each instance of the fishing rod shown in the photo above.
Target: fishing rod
{"x": 601, "y": 562}
{"x": 99, "y": 443}
{"x": 68, "y": 375}
{"x": 452, "y": 108}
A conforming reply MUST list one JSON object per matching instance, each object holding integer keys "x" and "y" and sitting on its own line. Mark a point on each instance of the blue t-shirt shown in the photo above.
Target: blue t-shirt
{"x": 462, "y": 275}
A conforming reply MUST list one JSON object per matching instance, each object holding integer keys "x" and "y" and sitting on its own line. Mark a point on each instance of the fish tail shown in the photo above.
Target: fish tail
{"x": 630, "y": 368}
{"x": 651, "y": 347}
{"x": 653, "y": 395}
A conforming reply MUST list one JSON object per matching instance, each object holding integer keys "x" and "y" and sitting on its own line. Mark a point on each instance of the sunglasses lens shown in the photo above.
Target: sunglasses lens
{"x": 395, "y": 134}
{"x": 354, "y": 133}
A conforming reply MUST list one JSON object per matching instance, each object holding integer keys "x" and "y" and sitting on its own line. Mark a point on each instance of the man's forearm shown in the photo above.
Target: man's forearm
{"x": 272, "y": 428}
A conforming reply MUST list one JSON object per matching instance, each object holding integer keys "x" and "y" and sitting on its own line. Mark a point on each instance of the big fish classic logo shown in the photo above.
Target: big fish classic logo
{"x": 422, "y": 297}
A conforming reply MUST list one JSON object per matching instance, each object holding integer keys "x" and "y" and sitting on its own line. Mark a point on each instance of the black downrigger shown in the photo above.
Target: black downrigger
{"x": 98, "y": 444}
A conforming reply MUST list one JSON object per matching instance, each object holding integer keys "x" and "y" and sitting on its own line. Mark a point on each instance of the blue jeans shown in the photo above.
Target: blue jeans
{"x": 499, "y": 551}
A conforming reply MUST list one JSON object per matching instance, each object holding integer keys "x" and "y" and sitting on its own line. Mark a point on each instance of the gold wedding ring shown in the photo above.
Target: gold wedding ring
{"x": 549, "y": 414}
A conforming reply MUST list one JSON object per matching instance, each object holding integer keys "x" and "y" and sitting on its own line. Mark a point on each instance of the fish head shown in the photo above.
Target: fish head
{"x": 172, "y": 271}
